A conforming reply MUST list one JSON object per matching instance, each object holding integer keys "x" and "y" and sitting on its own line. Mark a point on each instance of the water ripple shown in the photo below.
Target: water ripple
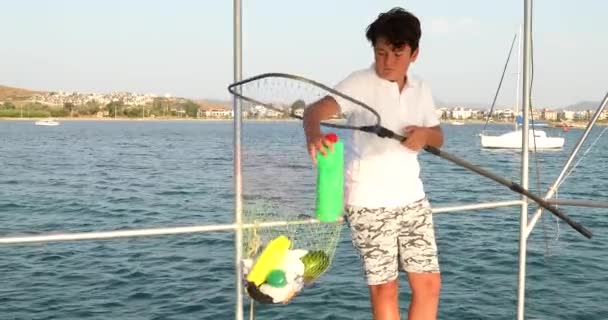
{"x": 125, "y": 175}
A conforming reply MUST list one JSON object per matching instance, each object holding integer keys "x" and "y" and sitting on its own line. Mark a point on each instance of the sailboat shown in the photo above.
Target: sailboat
{"x": 537, "y": 139}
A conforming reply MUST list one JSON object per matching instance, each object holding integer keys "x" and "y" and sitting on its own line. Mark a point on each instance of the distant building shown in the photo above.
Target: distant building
{"x": 218, "y": 113}
{"x": 503, "y": 114}
{"x": 259, "y": 111}
{"x": 442, "y": 113}
{"x": 549, "y": 115}
{"x": 581, "y": 115}
{"x": 461, "y": 113}
{"x": 565, "y": 115}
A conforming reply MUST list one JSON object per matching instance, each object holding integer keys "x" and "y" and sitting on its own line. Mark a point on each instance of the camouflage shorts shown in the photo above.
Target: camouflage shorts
{"x": 389, "y": 239}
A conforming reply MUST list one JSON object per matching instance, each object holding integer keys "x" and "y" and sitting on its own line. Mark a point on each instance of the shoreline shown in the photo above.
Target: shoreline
{"x": 67, "y": 119}
{"x": 108, "y": 119}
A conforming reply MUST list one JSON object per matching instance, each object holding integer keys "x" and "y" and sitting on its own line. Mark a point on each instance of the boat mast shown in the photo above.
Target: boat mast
{"x": 521, "y": 286}
{"x": 238, "y": 181}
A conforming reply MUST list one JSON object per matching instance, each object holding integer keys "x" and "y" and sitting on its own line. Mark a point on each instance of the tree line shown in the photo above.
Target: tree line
{"x": 160, "y": 107}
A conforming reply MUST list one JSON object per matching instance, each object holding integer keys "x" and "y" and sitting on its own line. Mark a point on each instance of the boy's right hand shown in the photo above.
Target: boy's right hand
{"x": 317, "y": 142}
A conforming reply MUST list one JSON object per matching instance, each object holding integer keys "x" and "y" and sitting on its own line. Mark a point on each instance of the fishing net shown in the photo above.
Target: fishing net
{"x": 307, "y": 252}
{"x": 280, "y": 260}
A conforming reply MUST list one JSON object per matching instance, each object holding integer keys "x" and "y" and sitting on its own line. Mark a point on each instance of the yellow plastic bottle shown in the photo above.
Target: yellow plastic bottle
{"x": 269, "y": 259}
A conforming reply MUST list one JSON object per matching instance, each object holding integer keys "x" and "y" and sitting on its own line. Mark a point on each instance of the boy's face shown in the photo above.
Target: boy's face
{"x": 392, "y": 63}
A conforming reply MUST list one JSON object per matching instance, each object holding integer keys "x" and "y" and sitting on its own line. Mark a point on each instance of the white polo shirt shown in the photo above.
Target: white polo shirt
{"x": 380, "y": 172}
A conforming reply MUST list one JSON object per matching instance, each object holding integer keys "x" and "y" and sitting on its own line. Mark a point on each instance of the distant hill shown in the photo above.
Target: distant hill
{"x": 579, "y": 106}
{"x": 582, "y": 106}
{"x": 11, "y": 93}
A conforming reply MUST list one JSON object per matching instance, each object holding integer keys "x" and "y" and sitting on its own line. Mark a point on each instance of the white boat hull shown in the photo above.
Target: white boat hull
{"x": 48, "y": 123}
{"x": 512, "y": 140}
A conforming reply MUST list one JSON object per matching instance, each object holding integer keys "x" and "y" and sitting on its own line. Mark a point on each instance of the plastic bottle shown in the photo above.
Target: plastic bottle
{"x": 271, "y": 257}
{"x": 330, "y": 181}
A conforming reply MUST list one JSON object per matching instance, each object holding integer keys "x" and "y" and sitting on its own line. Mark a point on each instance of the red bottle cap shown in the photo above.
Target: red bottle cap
{"x": 331, "y": 137}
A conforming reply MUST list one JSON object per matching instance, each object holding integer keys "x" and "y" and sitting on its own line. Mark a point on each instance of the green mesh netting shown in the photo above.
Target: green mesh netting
{"x": 319, "y": 239}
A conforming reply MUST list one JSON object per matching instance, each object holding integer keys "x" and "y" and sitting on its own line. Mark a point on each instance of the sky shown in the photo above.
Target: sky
{"x": 185, "y": 48}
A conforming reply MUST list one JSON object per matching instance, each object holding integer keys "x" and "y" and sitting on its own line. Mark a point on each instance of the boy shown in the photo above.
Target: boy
{"x": 386, "y": 208}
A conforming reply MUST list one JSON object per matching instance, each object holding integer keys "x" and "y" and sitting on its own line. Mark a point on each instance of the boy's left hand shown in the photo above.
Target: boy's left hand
{"x": 416, "y": 137}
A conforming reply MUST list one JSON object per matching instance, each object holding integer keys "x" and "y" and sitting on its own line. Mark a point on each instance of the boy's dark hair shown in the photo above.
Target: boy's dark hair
{"x": 398, "y": 26}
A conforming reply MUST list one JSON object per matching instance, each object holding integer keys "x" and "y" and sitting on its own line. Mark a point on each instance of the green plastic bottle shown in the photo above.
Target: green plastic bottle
{"x": 330, "y": 181}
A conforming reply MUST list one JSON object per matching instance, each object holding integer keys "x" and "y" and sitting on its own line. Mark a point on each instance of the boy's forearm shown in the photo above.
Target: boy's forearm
{"x": 322, "y": 110}
{"x": 311, "y": 121}
{"x": 434, "y": 137}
